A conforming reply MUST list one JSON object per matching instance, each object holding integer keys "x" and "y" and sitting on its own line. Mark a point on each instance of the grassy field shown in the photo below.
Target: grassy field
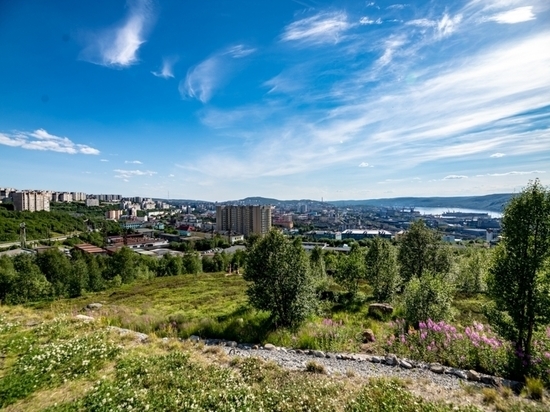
{"x": 52, "y": 362}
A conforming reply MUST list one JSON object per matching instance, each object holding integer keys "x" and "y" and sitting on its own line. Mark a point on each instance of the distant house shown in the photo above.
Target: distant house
{"x": 185, "y": 230}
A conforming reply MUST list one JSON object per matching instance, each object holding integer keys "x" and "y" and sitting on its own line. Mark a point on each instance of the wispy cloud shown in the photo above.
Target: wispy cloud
{"x": 103, "y": 160}
{"x": 517, "y": 15}
{"x": 40, "y": 139}
{"x": 497, "y": 155}
{"x": 318, "y": 29}
{"x": 135, "y": 162}
{"x": 126, "y": 174}
{"x": 514, "y": 173}
{"x": 442, "y": 27}
{"x": 363, "y": 164}
{"x": 366, "y": 20}
{"x": 455, "y": 177}
{"x": 117, "y": 46}
{"x": 166, "y": 70}
{"x": 202, "y": 80}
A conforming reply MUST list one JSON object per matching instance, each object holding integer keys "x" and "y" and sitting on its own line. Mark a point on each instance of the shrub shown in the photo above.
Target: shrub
{"x": 315, "y": 367}
{"x": 534, "y": 388}
{"x": 428, "y": 297}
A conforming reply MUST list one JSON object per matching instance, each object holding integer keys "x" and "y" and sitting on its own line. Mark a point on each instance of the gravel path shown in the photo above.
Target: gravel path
{"x": 360, "y": 365}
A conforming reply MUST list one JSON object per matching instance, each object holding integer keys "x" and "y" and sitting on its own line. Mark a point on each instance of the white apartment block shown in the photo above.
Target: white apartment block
{"x": 32, "y": 201}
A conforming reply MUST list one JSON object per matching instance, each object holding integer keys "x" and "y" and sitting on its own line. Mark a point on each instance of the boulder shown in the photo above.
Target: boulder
{"x": 404, "y": 364}
{"x": 231, "y": 344}
{"x": 318, "y": 354}
{"x": 437, "y": 368}
{"x": 391, "y": 360}
{"x": 459, "y": 373}
{"x": 380, "y": 308}
{"x": 375, "y": 359}
{"x": 489, "y": 380}
{"x": 140, "y": 337}
{"x": 194, "y": 338}
{"x": 270, "y": 346}
{"x": 473, "y": 375}
{"x": 94, "y": 306}
{"x": 368, "y": 336}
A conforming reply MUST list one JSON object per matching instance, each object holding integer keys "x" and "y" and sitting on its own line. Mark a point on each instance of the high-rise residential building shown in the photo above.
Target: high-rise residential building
{"x": 32, "y": 201}
{"x": 244, "y": 219}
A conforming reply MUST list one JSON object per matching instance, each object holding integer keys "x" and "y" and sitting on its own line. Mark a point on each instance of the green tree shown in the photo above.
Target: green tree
{"x": 351, "y": 269}
{"x": 519, "y": 278}
{"x": 169, "y": 265}
{"x": 8, "y": 276}
{"x": 57, "y": 269}
{"x": 191, "y": 263}
{"x": 472, "y": 271}
{"x": 381, "y": 269}
{"x": 428, "y": 297}
{"x": 123, "y": 263}
{"x": 30, "y": 284}
{"x": 421, "y": 250}
{"x": 317, "y": 263}
{"x": 279, "y": 279}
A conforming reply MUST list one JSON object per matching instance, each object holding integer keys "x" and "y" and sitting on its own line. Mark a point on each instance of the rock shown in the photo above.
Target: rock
{"x": 255, "y": 347}
{"x": 368, "y": 336}
{"x": 489, "y": 380}
{"x": 231, "y": 344}
{"x": 32, "y": 322}
{"x": 391, "y": 360}
{"x": 84, "y": 318}
{"x": 405, "y": 364}
{"x": 459, "y": 373}
{"x": 375, "y": 359}
{"x": 283, "y": 350}
{"x": 437, "y": 368}
{"x": 318, "y": 354}
{"x": 299, "y": 351}
{"x": 380, "y": 308}
{"x": 140, "y": 337}
{"x": 473, "y": 375}
{"x": 94, "y": 306}
{"x": 194, "y": 338}
{"x": 270, "y": 346}
{"x": 514, "y": 385}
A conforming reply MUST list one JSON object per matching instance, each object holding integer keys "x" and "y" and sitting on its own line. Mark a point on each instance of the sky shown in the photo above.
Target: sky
{"x": 291, "y": 99}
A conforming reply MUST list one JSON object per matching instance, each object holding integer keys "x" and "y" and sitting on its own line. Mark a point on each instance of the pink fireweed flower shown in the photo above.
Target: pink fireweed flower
{"x": 421, "y": 325}
{"x": 547, "y": 355}
{"x": 423, "y": 335}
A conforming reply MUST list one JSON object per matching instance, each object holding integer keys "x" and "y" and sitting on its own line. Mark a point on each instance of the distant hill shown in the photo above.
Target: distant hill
{"x": 494, "y": 202}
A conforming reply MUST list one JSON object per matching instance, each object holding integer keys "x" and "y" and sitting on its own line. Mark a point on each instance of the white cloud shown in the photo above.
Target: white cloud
{"x": 517, "y": 15}
{"x": 118, "y": 46}
{"x": 103, "y": 160}
{"x": 40, "y": 139}
{"x": 455, "y": 177}
{"x": 321, "y": 28}
{"x": 203, "y": 79}
{"x": 442, "y": 27}
{"x": 167, "y": 68}
{"x": 514, "y": 173}
{"x": 135, "y": 162}
{"x": 366, "y": 20}
{"x": 363, "y": 164}
{"x": 126, "y": 174}
{"x": 497, "y": 155}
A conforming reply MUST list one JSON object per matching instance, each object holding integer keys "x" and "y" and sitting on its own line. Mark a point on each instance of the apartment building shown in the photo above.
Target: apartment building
{"x": 243, "y": 219}
{"x": 32, "y": 201}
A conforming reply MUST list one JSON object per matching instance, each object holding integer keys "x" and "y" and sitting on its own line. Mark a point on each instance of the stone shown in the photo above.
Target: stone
{"x": 437, "y": 368}
{"x": 194, "y": 338}
{"x": 231, "y": 344}
{"x": 473, "y": 375}
{"x": 84, "y": 318}
{"x": 270, "y": 346}
{"x": 318, "y": 353}
{"x": 283, "y": 350}
{"x": 255, "y": 347}
{"x": 368, "y": 336}
{"x": 32, "y": 322}
{"x": 380, "y": 308}
{"x": 375, "y": 359}
{"x": 514, "y": 385}
{"x": 489, "y": 380}
{"x": 460, "y": 374}
{"x": 94, "y": 306}
{"x": 299, "y": 351}
{"x": 405, "y": 364}
{"x": 391, "y": 360}
{"x": 140, "y": 337}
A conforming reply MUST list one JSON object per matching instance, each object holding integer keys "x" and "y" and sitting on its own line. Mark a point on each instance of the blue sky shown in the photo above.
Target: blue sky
{"x": 220, "y": 100}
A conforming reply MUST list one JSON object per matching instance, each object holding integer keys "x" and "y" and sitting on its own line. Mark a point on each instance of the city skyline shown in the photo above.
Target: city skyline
{"x": 288, "y": 99}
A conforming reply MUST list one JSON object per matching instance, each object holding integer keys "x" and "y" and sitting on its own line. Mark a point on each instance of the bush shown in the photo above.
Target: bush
{"x": 315, "y": 367}
{"x": 534, "y": 388}
{"x": 428, "y": 297}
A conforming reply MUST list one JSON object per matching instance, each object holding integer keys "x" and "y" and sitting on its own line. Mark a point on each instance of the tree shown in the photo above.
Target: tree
{"x": 191, "y": 263}
{"x": 472, "y": 271}
{"x": 350, "y": 269}
{"x": 519, "y": 278}
{"x": 279, "y": 279}
{"x": 421, "y": 251}
{"x": 317, "y": 263}
{"x": 123, "y": 263}
{"x": 381, "y": 269}
{"x": 57, "y": 269}
{"x": 428, "y": 297}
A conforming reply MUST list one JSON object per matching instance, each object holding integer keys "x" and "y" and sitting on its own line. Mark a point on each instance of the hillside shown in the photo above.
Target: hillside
{"x": 494, "y": 202}
{"x": 71, "y": 355}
